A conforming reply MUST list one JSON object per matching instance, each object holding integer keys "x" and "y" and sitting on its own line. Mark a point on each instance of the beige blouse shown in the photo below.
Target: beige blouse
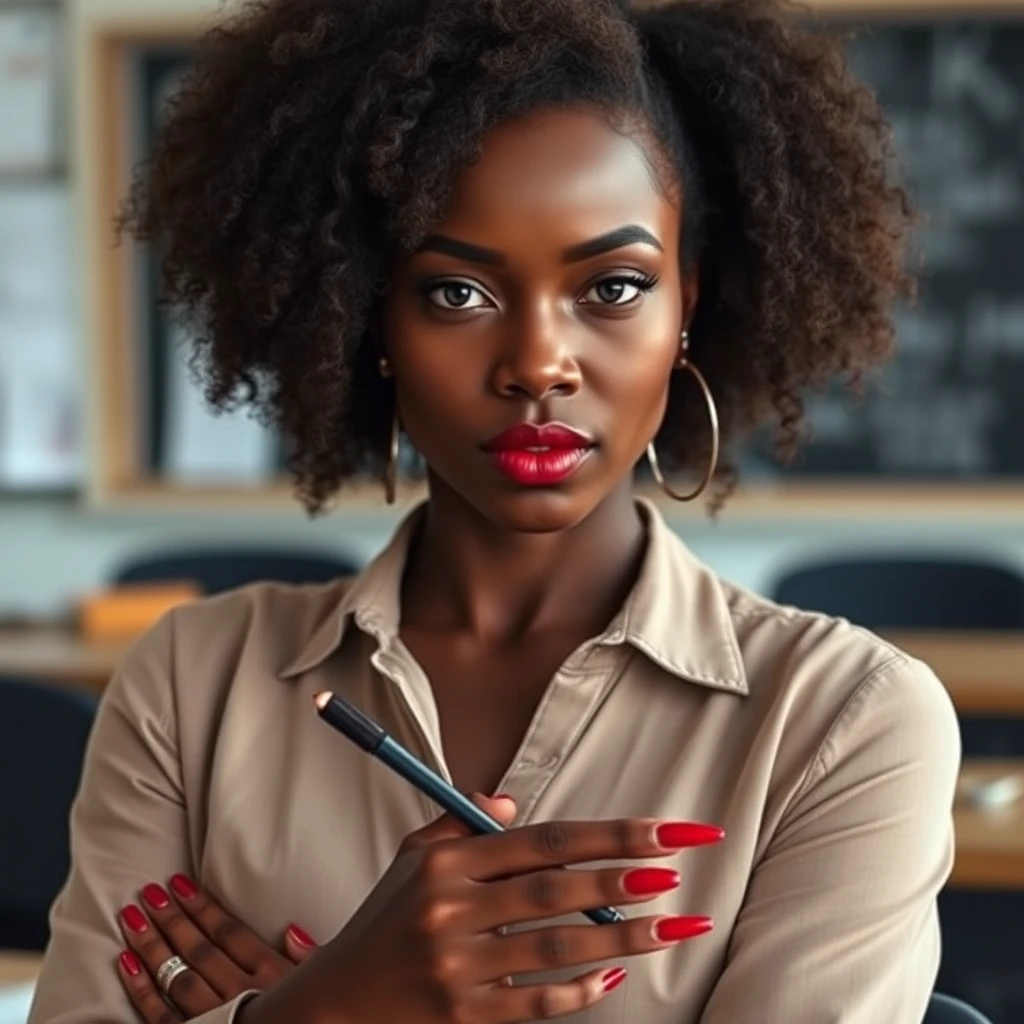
{"x": 828, "y": 756}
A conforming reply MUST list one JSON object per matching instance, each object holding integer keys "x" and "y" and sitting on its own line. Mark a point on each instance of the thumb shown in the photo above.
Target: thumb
{"x": 299, "y": 945}
{"x": 502, "y": 808}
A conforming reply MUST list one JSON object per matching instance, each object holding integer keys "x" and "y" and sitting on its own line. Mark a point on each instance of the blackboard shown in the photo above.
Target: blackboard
{"x": 950, "y": 407}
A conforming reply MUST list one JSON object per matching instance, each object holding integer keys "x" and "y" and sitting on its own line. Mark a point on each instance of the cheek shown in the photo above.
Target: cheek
{"x": 634, "y": 380}
{"x": 432, "y": 369}
{"x": 637, "y": 373}
{"x": 439, "y": 388}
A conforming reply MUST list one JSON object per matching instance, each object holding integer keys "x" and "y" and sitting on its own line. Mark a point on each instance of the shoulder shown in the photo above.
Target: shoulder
{"x": 185, "y": 665}
{"x": 838, "y": 684}
{"x": 264, "y": 624}
{"x": 797, "y": 674}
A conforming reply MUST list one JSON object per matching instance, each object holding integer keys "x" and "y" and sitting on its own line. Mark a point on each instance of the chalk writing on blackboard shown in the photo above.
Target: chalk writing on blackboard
{"x": 949, "y": 407}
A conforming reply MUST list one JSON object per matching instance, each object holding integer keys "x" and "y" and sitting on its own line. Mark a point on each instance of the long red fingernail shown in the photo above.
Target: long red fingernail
{"x": 303, "y": 938}
{"x": 613, "y": 978}
{"x": 647, "y": 881}
{"x": 675, "y": 929}
{"x": 130, "y": 962}
{"x": 183, "y": 886}
{"x": 674, "y": 835}
{"x": 156, "y": 897}
{"x": 135, "y": 919}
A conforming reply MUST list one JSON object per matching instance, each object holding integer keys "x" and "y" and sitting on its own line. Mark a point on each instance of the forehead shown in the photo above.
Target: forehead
{"x": 560, "y": 176}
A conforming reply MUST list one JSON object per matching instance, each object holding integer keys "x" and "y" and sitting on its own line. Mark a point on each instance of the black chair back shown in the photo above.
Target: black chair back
{"x": 217, "y": 569}
{"x": 43, "y": 735}
{"x": 909, "y": 593}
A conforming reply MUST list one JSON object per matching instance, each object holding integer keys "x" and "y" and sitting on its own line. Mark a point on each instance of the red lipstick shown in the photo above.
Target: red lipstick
{"x": 542, "y": 455}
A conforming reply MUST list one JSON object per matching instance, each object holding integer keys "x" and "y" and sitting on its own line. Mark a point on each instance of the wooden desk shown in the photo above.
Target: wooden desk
{"x": 989, "y": 841}
{"x": 58, "y": 655}
{"x": 984, "y": 672}
{"x": 16, "y": 968}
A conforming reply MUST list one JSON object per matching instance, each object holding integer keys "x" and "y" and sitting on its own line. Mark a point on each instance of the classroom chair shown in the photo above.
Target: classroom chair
{"x": 216, "y": 569}
{"x": 43, "y": 735}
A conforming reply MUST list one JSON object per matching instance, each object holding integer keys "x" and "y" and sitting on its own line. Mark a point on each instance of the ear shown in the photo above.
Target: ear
{"x": 689, "y": 287}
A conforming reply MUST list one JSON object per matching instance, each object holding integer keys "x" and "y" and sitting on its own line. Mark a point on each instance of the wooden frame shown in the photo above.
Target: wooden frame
{"x": 116, "y": 479}
{"x": 115, "y": 269}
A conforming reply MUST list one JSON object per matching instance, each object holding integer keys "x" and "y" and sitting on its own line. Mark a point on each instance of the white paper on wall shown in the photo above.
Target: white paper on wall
{"x": 36, "y": 247}
{"x": 41, "y": 434}
{"x": 205, "y": 448}
{"x": 29, "y": 86}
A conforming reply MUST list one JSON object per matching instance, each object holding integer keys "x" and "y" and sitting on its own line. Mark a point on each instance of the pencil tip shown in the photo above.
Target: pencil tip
{"x": 322, "y": 699}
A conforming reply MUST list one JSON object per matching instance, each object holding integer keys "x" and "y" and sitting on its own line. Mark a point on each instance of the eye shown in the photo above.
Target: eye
{"x": 454, "y": 295}
{"x": 620, "y": 290}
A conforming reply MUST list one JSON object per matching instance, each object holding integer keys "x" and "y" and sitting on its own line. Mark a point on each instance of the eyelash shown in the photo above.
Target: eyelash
{"x": 644, "y": 283}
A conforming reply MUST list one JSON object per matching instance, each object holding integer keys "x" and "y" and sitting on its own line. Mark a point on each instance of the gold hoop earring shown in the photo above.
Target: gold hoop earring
{"x": 391, "y": 469}
{"x": 709, "y": 400}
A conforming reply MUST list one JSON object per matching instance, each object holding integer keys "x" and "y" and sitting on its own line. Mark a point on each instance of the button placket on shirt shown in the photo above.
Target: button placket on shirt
{"x": 566, "y": 711}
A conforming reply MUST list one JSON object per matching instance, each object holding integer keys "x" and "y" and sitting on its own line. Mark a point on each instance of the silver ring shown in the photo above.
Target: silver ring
{"x": 172, "y": 968}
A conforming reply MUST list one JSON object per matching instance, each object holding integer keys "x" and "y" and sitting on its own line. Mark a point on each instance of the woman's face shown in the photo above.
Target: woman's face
{"x": 551, "y": 297}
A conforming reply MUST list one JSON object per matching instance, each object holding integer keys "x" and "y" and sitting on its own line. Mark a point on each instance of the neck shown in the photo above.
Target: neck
{"x": 465, "y": 574}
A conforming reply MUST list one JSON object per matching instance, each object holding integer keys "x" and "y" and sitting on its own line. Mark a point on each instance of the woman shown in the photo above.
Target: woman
{"x": 527, "y": 234}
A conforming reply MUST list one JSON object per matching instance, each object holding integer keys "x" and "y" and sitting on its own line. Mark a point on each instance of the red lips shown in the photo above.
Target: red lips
{"x": 539, "y": 455}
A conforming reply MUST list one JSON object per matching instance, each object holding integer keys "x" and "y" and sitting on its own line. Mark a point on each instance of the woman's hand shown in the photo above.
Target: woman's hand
{"x": 224, "y": 957}
{"x": 428, "y": 944}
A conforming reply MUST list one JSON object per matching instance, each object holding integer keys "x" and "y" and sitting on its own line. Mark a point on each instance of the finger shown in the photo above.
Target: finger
{"x": 502, "y": 808}
{"x": 219, "y": 971}
{"x": 227, "y": 933}
{"x": 189, "y": 992}
{"x": 520, "y": 1003}
{"x": 142, "y": 993}
{"x": 299, "y": 945}
{"x": 550, "y": 843}
{"x": 539, "y": 895}
{"x": 562, "y": 946}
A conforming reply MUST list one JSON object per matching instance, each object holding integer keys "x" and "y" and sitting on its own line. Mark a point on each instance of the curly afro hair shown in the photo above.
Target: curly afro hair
{"x": 312, "y": 141}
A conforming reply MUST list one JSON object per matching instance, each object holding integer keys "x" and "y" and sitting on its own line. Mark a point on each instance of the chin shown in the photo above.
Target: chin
{"x": 540, "y": 510}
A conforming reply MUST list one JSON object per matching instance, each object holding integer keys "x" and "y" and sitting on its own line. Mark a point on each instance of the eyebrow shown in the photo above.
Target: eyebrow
{"x": 631, "y": 234}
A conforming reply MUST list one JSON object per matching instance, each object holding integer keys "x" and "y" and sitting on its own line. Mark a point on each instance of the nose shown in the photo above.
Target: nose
{"x": 536, "y": 364}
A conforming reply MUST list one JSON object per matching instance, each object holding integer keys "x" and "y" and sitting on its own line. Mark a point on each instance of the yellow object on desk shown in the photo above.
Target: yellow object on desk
{"x": 127, "y": 611}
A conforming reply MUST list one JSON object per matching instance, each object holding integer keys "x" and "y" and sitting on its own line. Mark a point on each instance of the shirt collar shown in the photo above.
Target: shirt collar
{"x": 677, "y": 614}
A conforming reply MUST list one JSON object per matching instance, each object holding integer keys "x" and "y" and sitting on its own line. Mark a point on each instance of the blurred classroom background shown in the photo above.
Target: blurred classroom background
{"x": 120, "y": 493}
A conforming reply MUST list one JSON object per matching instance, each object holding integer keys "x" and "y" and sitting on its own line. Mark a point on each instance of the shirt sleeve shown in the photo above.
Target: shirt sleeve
{"x": 128, "y": 828}
{"x": 840, "y": 921}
